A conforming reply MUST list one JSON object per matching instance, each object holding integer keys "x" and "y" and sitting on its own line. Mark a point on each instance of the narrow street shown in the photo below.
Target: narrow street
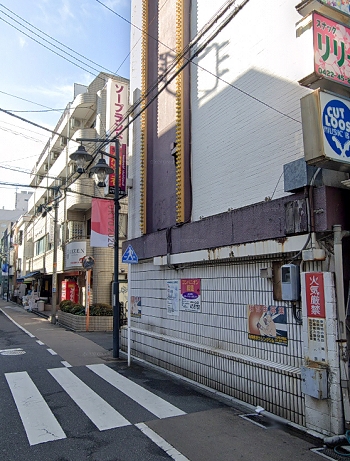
{"x": 107, "y": 410}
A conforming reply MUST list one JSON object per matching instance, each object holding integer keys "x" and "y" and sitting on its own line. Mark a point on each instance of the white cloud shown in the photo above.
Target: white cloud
{"x": 66, "y": 11}
{"x": 22, "y": 42}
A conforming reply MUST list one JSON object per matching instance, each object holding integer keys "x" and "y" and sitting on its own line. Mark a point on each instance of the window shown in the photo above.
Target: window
{"x": 40, "y": 246}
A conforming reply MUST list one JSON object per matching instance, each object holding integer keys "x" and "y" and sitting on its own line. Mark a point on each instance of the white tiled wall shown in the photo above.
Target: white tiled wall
{"x": 212, "y": 346}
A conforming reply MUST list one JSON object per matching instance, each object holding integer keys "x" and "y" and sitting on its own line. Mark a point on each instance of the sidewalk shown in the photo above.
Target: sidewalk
{"x": 74, "y": 348}
{"x": 221, "y": 434}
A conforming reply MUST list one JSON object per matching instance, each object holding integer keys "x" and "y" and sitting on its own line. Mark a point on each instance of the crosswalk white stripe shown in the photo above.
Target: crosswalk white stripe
{"x": 39, "y": 422}
{"x": 156, "y": 405}
{"x": 163, "y": 444}
{"x": 98, "y": 410}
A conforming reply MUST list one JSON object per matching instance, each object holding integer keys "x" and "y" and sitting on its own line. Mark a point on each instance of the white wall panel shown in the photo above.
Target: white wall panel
{"x": 245, "y": 124}
{"x": 212, "y": 346}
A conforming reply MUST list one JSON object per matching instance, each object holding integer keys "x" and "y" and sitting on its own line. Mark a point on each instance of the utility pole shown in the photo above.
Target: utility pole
{"x": 54, "y": 268}
{"x": 116, "y": 305}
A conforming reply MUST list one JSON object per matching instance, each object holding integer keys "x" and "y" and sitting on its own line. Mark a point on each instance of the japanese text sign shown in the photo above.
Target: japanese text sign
{"x": 122, "y": 170}
{"x": 331, "y": 49}
{"x": 191, "y": 294}
{"x": 315, "y": 302}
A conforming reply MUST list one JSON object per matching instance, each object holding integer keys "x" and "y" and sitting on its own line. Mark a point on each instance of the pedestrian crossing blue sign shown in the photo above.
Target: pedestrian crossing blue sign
{"x": 130, "y": 256}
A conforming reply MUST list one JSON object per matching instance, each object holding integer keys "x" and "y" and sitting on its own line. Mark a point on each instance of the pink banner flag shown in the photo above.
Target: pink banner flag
{"x": 102, "y": 223}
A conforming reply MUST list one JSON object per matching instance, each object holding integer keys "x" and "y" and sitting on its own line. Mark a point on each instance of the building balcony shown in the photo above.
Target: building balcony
{"x": 80, "y": 194}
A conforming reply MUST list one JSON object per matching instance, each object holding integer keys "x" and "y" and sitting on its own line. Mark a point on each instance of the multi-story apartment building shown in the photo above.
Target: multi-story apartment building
{"x": 57, "y": 236}
{"x": 240, "y": 192}
{"x": 8, "y": 253}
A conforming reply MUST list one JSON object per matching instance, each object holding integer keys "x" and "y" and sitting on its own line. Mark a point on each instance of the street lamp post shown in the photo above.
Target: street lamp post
{"x": 54, "y": 262}
{"x": 101, "y": 170}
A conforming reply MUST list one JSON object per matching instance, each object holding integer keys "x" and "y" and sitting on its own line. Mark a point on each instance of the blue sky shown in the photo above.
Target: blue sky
{"x": 32, "y": 72}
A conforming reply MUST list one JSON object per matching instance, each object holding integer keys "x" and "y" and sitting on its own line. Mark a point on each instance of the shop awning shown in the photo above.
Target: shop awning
{"x": 31, "y": 275}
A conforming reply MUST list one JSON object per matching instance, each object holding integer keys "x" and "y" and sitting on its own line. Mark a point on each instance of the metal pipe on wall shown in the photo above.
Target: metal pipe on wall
{"x": 341, "y": 317}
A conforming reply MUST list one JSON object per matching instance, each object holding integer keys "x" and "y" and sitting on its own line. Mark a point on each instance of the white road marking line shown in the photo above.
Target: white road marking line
{"x": 52, "y": 352}
{"x": 17, "y": 324}
{"x": 156, "y": 405}
{"x": 40, "y": 342}
{"x": 14, "y": 349}
{"x": 39, "y": 422}
{"x": 66, "y": 364}
{"x": 163, "y": 444}
{"x": 98, "y": 410}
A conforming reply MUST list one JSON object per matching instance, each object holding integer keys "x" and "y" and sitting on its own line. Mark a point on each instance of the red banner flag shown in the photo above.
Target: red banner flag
{"x": 102, "y": 223}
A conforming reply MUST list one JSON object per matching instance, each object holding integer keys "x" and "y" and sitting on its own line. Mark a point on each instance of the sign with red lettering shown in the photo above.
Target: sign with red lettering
{"x": 315, "y": 302}
{"x": 190, "y": 292}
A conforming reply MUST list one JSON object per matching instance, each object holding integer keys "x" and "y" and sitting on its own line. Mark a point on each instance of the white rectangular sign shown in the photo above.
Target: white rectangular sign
{"x": 74, "y": 253}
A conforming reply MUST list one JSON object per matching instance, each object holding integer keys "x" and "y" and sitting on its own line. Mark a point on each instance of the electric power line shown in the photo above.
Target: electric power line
{"x": 58, "y": 54}
{"x": 52, "y": 38}
{"x": 27, "y": 100}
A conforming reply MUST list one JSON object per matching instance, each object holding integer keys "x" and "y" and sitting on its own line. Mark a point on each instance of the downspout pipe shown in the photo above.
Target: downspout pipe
{"x": 341, "y": 317}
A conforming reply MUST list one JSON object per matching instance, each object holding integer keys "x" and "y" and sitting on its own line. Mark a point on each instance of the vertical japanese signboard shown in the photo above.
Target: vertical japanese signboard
{"x": 117, "y": 107}
{"x": 316, "y": 314}
{"x": 122, "y": 170}
{"x": 315, "y": 304}
{"x": 331, "y": 49}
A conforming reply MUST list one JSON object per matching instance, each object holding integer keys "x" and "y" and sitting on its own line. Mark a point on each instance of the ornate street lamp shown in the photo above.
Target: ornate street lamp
{"x": 101, "y": 170}
{"x": 81, "y": 157}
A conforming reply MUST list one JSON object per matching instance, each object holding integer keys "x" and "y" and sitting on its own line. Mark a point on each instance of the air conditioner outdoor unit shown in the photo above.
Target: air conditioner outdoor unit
{"x": 75, "y": 123}
{"x": 63, "y": 142}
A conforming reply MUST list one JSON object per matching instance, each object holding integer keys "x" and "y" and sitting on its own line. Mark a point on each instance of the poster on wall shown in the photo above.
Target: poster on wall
{"x": 191, "y": 295}
{"x": 267, "y": 324}
{"x": 173, "y": 297}
{"x": 135, "y": 306}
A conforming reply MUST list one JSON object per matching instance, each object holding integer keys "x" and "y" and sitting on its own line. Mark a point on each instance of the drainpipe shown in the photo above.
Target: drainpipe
{"x": 342, "y": 340}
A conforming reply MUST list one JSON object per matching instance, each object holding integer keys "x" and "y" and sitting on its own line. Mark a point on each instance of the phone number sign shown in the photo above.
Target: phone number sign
{"x": 331, "y": 49}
